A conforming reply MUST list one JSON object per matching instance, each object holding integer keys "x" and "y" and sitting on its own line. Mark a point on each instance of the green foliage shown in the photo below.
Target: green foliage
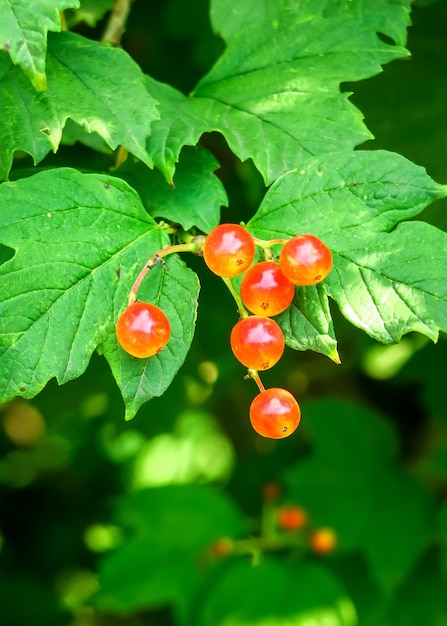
{"x": 23, "y": 34}
{"x": 168, "y": 558}
{"x": 81, "y": 279}
{"x": 354, "y": 202}
{"x": 214, "y": 112}
{"x": 386, "y": 501}
{"x": 86, "y": 83}
{"x": 266, "y": 74}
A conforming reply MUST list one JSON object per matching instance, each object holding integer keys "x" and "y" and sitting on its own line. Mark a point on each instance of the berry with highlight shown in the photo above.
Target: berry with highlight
{"x": 275, "y": 413}
{"x": 257, "y": 342}
{"x": 305, "y": 260}
{"x": 143, "y": 329}
{"x": 265, "y": 290}
{"x": 228, "y": 250}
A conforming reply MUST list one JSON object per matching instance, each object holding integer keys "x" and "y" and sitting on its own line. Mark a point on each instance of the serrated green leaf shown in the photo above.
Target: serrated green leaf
{"x": 195, "y": 197}
{"x": 164, "y": 559}
{"x": 88, "y": 83}
{"x": 386, "y": 16}
{"x": 387, "y": 283}
{"x": 307, "y": 323}
{"x": 23, "y": 33}
{"x": 275, "y": 94}
{"x": 391, "y": 523}
{"x": 90, "y": 12}
{"x": 393, "y": 283}
{"x": 80, "y": 242}
{"x": 285, "y": 594}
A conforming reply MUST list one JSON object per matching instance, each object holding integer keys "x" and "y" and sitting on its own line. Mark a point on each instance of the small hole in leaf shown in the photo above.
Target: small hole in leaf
{"x": 6, "y": 254}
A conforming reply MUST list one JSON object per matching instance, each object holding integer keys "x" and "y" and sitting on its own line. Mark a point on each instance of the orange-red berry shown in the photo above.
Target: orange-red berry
{"x": 257, "y": 342}
{"x": 222, "y": 547}
{"x": 323, "y": 540}
{"x": 305, "y": 260}
{"x": 275, "y": 413}
{"x": 265, "y": 290}
{"x": 143, "y": 329}
{"x": 292, "y": 517}
{"x": 228, "y": 250}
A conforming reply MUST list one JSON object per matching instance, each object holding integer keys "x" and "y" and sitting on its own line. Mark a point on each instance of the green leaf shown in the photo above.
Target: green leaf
{"x": 386, "y": 16}
{"x": 195, "y": 197}
{"x": 275, "y": 94}
{"x": 90, "y": 12}
{"x": 386, "y": 280}
{"x": 87, "y": 82}
{"x": 400, "y": 530}
{"x": 80, "y": 242}
{"x": 165, "y": 557}
{"x": 391, "y": 522}
{"x": 393, "y": 283}
{"x": 421, "y": 599}
{"x": 23, "y": 33}
{"x": 307, "y": 323}
{"x": 277, "y": 593}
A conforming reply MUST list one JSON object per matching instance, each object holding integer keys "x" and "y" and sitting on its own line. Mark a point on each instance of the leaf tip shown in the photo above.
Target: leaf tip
{"x": 129, "y": 415}
{"x": 40, "y": 81}
{"x": 334, "y": 356}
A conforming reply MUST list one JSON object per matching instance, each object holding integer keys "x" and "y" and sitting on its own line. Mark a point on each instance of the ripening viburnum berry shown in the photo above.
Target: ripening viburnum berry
{"x": 143, "y": 329}
{"x": 228, "y": 250}
{"x": 265, "y": 290}
{"x": 291, "y": 517}
{"x": 305, "y": 260}
{"x": 275, "y": 413}
{"x": 323, "y": 540}
{"x": 257, "y": 342}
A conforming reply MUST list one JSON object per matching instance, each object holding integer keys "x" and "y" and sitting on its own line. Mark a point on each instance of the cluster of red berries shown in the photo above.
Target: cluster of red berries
{"x": 267, "y": 289}
{"x": 293, "y": 518}
{"x": 282, "y": 526}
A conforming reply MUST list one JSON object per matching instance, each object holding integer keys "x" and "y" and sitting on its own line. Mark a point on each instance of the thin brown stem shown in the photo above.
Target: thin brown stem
{"x": 254, "y": 374}
{"x": 269, "y": 243}
{"x": 157, "y": 259}
{"x": 116, "y": 24}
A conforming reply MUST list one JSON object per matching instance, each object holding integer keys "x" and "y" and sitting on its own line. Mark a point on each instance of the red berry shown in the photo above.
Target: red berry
{"x": 275, "y": 413}
{"x": 143, "y": 329}
{"x": 323, "y": 540}
{"x": 265, "y": 290}
{"x": 270, "y": 491}
{"x": 305, "y": 260}
{"x": 291, "y": 517}
{"x": 228, "y": 250}
{"x": 222, "y": 547}
{"x": 257, "y": 342}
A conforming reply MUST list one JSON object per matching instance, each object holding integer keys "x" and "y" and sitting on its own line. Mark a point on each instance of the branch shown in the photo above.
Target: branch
{"x": 116, "y": 24}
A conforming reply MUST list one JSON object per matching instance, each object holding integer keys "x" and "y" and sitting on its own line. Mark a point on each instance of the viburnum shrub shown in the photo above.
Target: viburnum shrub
{"x": 90, "y": 258}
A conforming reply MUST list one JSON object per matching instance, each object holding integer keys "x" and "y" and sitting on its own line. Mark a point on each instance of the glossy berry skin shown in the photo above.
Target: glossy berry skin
{"x": 257, "y": 342}
{"x": 275, "y": 413}
{"x": 323, "y": 540}
{"x": 228, "y": 250}
{"x": 265, "y": 290}
{"x": 291, "y": 517}
{"x": 143, "y": 329}
{"x": 305, "y": 260}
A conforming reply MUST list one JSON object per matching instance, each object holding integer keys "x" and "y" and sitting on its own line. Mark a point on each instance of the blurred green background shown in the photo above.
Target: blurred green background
{"x": 104, "y": 522}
